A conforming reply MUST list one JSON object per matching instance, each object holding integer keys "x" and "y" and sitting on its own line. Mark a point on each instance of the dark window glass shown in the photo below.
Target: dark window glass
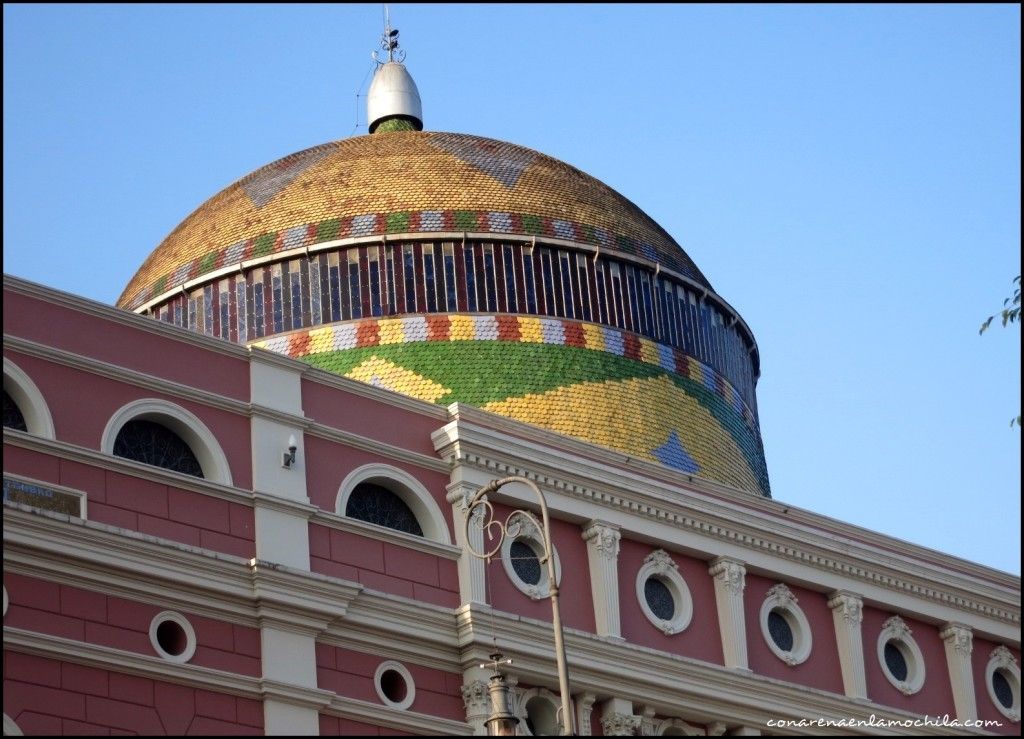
{"x": 375, "y": 308}
{"x": 584, "y": 277}
{"x": 449, "y": 278}
{"x": 376, "y": 504}
{"x": 12, "y": 414}
{"x": 489, "y": 278}
{"x": 409, "y": 269}
{"x": 525, "y": 562}
{"x": 780, "y": 631}
{"x": 510, "y": 279}
{"x": 390, "y": 274}
{"x": 531, "y": 290}
{"x": 895, "y": 661}
{"x": 151, "y": 443}
{"x": 428, "y": 278}
{"x": 467, "y": 254}
{"x": 659, "y": 599}
{"x": 567, "y": 296}
{"x": 1002, "y": 688}
{"x": 353, "y": 285}
{"x": 602, "y": 300}
{"x": 549, "y": 283}
{"x": 296, "y": 294}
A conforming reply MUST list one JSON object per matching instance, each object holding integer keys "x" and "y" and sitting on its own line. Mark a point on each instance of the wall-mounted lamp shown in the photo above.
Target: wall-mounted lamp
{"x": 289, "y": 456}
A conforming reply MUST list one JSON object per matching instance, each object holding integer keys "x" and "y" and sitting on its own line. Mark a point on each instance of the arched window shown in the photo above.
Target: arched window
{"x": 376, "y": 504}
{"x": 13, "y": 418}
{"x": 387, "y": 496}
{"x": 24, "y": 406}
{"x": 165, "y": 435}
{"x": 151, "y": 443}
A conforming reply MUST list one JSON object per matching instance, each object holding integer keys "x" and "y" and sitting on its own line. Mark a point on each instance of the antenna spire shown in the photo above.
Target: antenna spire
{"x": 389, "y": 41}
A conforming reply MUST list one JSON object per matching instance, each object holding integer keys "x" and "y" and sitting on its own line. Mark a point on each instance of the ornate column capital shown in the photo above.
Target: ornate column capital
{"x": 849, "y": 606}
{"x": 730, "y": 573}
{"x": 620, "y": 724}
{"x": 959, "y": 637}
{"x": 603, "y": 538}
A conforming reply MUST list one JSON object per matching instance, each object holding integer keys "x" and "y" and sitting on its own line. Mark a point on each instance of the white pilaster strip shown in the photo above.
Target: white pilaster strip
{"x": 472, "y": 576}
{"x": 730, "y": 580}
{"x": 959, "y": 642}
{"x": 603, "y": 555}
{"x": 846, "y": 617}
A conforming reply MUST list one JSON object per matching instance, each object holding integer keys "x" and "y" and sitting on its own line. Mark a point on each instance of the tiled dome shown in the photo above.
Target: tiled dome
{"x": 452, "y": 268}
{"x": 406, "y": 182}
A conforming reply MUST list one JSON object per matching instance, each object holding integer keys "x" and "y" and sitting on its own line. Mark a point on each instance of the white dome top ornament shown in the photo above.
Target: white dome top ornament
{"x": 393, "y": 102}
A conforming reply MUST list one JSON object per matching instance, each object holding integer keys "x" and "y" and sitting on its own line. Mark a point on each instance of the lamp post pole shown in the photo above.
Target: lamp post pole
{"x": 498, "y": 529}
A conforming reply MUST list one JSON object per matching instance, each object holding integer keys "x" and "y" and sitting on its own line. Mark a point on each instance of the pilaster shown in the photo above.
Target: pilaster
{"x": 472, "y": 575}
{"x": 846, "y": 617}
{"x": 584, "y": 708}
{"x": 603, "y": 556}
{"x": 730, "y": 580}
{"x": 959, "y": 642}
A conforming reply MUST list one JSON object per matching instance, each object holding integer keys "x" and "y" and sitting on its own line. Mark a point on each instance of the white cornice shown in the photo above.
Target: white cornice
{"x": 672, "y": 684}
{"x": 689, "y": 516}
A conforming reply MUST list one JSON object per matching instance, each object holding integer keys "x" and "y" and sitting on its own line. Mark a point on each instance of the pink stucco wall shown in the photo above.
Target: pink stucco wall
{"x": 87, "y": 616}
{"x": 111, "y": 341}
{"x": 144, "y": 505}
{"x": 331, "y": 462}
{"x": 371, "y": 418}
{"x": 383, "y": 566}
{"x": 701, "y": 638}
{"x": 575, "y": 601}
{"x": 82, "y": 403}
{"x": 48, "y": 697}
{"x": 936, "y": 696}
{"x": 821, "y": 669}
{"x": 350, "y": 673}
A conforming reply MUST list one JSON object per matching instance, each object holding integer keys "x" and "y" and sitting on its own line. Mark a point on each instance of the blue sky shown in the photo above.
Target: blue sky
{"x": 847, "y": 176}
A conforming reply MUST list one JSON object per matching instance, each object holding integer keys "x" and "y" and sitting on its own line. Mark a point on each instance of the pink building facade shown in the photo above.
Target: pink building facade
{"x": 138, "y": 599}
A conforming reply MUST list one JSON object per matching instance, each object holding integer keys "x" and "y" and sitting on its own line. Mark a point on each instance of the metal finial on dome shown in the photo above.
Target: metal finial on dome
{"x": 389, "y": 41}
{"x": 393, "y": 101}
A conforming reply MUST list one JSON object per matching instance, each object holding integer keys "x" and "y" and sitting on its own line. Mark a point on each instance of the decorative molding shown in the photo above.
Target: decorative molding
{"x": 203, "y": 443}
{"x": 643, "y": 492}
{"x": 660, "y": 565}
{"x": 1002, "y": 660}
{"x": 958, "y": 642}
{"x": 847, "y": 616}
{"x": 896, "y": 630}
{"x": 620, "y": 724}
{"x": 410, "y": 490}
{"x": 781, "y": 599}
{"x": 477, "y": 700}
{"x": 603, "y": 557}
{"x": 29, "y": 399}
{"x": 584, "y": 710}
{"x": 730, "y": 574}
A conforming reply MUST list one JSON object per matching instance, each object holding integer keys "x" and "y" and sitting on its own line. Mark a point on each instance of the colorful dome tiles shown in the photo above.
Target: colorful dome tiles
{"x": 605, "y": 386}
{"x": 407, "y": 182}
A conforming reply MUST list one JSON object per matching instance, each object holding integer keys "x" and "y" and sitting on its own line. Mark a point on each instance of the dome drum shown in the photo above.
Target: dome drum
{"x": 414, "y": 276}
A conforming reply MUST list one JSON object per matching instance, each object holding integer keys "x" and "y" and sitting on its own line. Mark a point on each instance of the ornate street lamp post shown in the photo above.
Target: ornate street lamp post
{"x": 494, "y": 528}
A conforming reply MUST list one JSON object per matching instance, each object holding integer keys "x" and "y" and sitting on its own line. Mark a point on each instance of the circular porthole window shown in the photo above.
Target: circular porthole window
{"x": 785, "y": 627}
{"x": 394, "y": 684}
{"x": 663, "y": 594}
{"x": 1002, "y": 678}
{"x": 522, "y": 556}
{"x": 899, "y": 656}
{"x": 172, "y": 636}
